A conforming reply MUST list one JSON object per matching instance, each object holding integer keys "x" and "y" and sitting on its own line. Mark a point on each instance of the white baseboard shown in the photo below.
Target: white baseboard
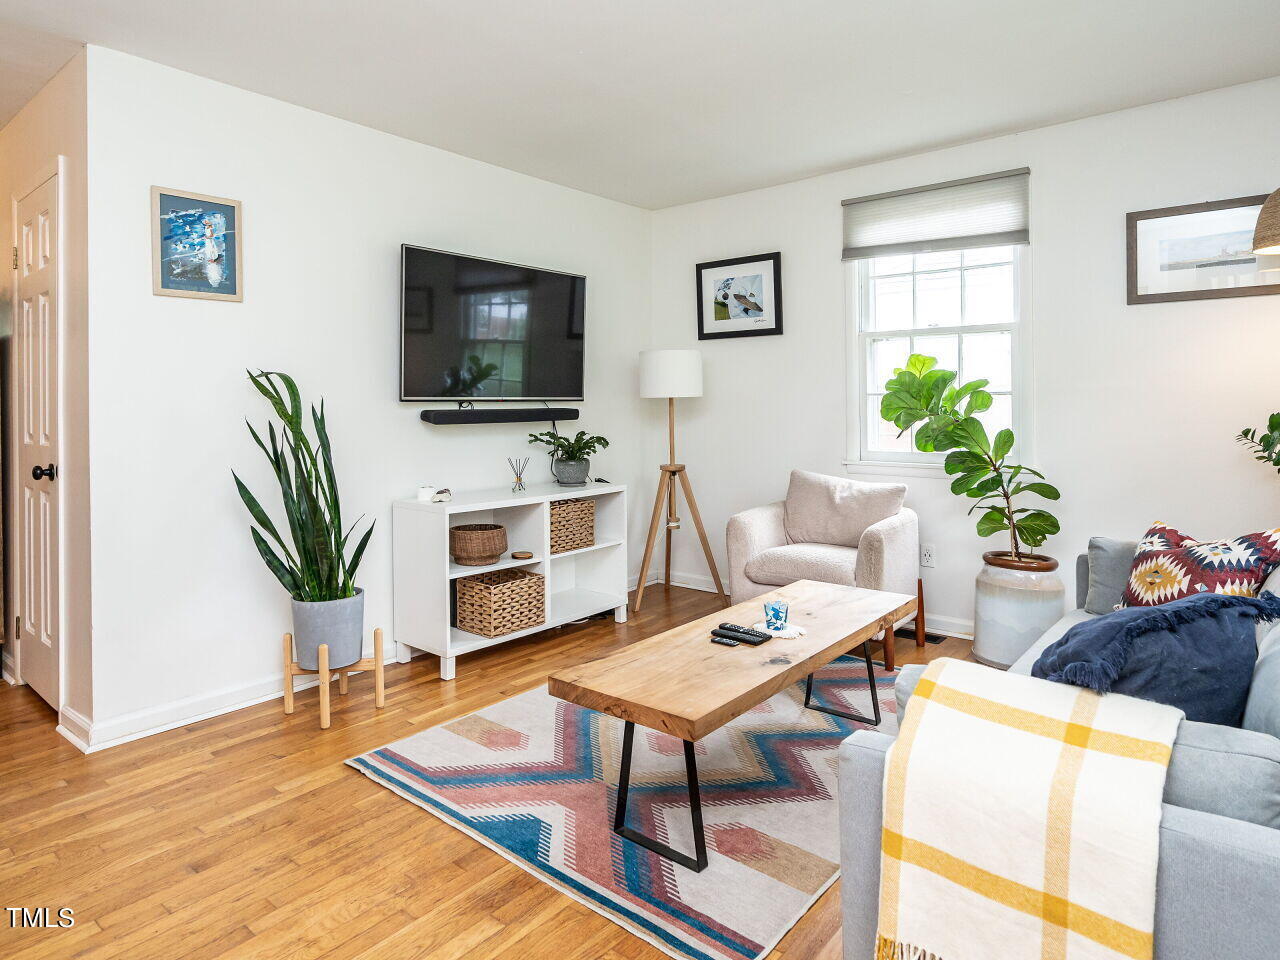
{"x": 6, "y": 665}
{"x": 128, "y": 727}
{"x": 951, "y": 626}
{"x": 75, "y": 727}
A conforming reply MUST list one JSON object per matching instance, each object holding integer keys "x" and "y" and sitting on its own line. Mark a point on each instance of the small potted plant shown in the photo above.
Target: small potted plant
{"x": 1265, "y": 446}
{"x": 570, "y": 458}
{"x": 318, "y": 572}
{"x": 1019, "y": 593}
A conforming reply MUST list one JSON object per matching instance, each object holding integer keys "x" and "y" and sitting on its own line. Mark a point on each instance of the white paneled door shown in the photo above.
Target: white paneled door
{"x": 35, "y": 425}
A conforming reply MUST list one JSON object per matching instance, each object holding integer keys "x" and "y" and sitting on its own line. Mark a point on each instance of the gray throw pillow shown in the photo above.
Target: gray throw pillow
{"x": 1109, "y": 564}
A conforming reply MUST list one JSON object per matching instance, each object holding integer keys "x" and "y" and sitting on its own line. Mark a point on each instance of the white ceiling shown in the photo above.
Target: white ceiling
{"x": 28, "y": 58}
{"x": 661, "y": 102}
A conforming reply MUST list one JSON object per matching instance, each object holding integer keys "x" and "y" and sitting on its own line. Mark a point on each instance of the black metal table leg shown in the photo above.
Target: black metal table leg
{"x": 871, "y": 682}
{"x": 697, "y": 863}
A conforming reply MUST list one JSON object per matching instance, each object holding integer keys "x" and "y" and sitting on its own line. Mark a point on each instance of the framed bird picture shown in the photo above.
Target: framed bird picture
{"x": 741, "y": 297}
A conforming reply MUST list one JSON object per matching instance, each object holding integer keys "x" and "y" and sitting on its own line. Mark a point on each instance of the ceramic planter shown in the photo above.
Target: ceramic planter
{"x": 1016, "y": 601}
{"x": 570, "y": 473}
{"x": 339, "y": 623}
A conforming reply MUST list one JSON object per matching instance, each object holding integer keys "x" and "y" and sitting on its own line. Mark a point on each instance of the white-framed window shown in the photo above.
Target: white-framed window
{"x": 939, "y": 270}
{"x": 963, "y": 307}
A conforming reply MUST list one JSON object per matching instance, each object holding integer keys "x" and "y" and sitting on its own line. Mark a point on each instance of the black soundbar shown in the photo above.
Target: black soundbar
{"x": 499, "y": 415}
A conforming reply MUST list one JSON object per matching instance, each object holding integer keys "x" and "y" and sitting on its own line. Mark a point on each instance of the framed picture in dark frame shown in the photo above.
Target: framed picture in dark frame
{"x": 1197, "y": 251}
{"x": 740, "y": 297}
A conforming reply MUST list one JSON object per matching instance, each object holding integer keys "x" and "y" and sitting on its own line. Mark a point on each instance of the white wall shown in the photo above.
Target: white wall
{"x": 1134, "y": 408}
{"x": 51, "y": 125}
{"x": 186, "y": 618}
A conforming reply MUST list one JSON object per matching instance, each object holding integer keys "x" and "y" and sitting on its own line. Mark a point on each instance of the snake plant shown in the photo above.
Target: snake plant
{"x": 317, "y": 567}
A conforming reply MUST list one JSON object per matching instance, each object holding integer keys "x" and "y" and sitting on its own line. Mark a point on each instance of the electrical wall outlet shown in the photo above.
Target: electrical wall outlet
{"x": 926, "y": 554}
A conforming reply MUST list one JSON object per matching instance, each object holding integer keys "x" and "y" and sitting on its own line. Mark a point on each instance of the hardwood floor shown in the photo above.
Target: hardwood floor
{"x": 246, "y": 837}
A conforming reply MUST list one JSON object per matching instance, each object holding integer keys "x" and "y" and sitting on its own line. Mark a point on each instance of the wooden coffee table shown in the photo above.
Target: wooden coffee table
{"x": 681, "y": 683}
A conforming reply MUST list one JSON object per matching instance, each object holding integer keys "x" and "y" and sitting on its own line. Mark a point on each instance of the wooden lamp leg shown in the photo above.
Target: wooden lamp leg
{"x": 920, "y": 636}
{"x": 288, "y": 673}
{"x": 659, "y": 501}
{"x": 324, "y": 685}
{"x": 687, "y": 487}
{"x": 379, "y": 682}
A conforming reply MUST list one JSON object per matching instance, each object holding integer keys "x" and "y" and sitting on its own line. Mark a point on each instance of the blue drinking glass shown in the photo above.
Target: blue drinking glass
{"x": 775, "y": 614}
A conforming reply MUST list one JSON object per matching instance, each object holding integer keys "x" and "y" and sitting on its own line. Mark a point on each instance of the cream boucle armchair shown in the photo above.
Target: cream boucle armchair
{"x": 830, "y": 529}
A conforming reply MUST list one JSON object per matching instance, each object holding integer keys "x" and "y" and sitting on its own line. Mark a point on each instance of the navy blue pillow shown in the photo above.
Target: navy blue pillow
{"x": 1196, "y": 654}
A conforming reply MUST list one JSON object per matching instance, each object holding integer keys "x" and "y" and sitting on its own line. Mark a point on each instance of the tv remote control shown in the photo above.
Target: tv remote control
{"x": 737, "y": 637}
{"x": 724, "y": 641}
{"x": 747, "y": 631}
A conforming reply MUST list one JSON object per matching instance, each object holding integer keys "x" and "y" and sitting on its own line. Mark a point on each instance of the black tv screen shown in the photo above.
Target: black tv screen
{"x": 481, "y": 330}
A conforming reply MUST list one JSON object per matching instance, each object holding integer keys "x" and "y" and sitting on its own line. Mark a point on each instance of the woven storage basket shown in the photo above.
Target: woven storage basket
{"x": 573, "y": 524}
{"x": 477, "y": 544}
{"x": 501, "y": 601}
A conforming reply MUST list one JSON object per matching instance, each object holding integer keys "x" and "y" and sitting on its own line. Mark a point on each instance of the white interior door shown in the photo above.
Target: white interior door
{"x": 36, "y": 428}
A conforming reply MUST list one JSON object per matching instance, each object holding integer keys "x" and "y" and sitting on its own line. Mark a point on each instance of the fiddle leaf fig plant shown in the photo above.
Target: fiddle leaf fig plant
{"x": 1265, "y": 446}
{"x": 921, "y": 394}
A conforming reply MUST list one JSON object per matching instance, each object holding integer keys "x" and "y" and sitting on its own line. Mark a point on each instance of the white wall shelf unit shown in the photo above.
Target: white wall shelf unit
{"x": 578, "y": 583}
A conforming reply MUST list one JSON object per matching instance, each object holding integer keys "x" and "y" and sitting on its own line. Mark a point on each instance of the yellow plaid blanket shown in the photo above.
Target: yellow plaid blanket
{"x": 1021, "y": 820}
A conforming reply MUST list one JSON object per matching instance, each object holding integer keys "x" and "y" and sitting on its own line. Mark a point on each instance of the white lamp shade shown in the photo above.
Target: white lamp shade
{"x": 670, "y": 373}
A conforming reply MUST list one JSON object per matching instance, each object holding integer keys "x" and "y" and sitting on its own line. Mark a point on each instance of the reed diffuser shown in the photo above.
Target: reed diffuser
{"x": 517, "y": 467}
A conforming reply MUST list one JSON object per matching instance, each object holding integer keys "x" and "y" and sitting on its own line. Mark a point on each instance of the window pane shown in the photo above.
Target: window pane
{"x": 988, "y": 356}
{"x": 988, "y": 255}
{"x": 882, "y": 436}
{"x": 943, "y": 349}
{"x": 938, "y": 299}
{"x": 891, "y": 303}
{"x": 886, "y": 356}
{"x": 999, "y": 415}
{"x": 883, "y": 265}
{"x": 988, "y": 295}
{"x": 938, "y": 261}
{"x": 512, "y": 362}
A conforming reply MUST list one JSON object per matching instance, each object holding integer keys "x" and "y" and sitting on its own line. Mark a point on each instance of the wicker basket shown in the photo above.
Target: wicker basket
{"x": 573, "y": 524}
{"x": 477, "y": 544}
{"x": 501, "y": 601}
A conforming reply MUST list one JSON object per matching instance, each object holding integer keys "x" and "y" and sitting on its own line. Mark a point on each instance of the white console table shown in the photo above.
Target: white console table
{"x": 578, "y": 583}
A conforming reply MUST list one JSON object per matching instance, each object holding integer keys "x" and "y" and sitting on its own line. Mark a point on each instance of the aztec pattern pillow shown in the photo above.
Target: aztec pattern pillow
{"x": 1170, "y": 565}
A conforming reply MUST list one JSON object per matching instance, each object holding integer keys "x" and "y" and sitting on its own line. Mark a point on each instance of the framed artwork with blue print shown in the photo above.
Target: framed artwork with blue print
{"x": 741, "y": 297}
{"x": 197, "y": 246}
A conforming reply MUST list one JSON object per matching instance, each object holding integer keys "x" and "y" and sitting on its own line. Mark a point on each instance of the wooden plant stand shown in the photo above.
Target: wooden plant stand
{"x": 374, "y": 663}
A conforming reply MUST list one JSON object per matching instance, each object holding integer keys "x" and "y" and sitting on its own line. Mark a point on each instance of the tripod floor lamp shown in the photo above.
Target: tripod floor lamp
{"x": 671, "y": 374}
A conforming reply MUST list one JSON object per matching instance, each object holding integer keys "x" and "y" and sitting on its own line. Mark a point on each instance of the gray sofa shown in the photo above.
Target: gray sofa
{"x": 1218, "y": 884}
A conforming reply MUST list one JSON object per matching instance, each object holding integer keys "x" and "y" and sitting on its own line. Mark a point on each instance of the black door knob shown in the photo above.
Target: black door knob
{"x": 43, "y": 473}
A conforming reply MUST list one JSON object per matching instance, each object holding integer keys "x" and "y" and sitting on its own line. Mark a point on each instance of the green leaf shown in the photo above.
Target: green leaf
{"x": 1046, "y": 490}
{"x": 935, "y": 385}
{"x": 978, "y": 401}
{"x": 964, "y": 461}
{"x": 992, "y": 522}
{"x": 964, "y": 482}
{"x": 973, "y": 435}
{"x": 1273, "y": 423}
{"x": 1002, "y": 444}
{"x": 971, "y": 387}
{"x": 288, "y": 579}
{"x": 919, "y": 364}
{"x": 1036, "y": 527}
{"x": 984, "y": 487}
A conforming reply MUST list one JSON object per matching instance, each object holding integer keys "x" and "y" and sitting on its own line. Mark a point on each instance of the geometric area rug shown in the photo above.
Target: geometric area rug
{"x": 534, "y": 779}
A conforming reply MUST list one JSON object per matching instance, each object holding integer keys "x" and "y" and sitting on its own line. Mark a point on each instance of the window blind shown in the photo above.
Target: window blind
{"x": 987, "y": 211}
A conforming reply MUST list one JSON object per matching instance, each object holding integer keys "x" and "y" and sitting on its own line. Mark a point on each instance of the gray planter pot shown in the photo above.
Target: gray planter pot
{"x": 570, "y": 473}
{"x": 339, "y": 623}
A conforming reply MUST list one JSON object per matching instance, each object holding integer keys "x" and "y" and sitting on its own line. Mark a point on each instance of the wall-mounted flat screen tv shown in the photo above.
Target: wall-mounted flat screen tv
{"x": 481, "y": 330}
